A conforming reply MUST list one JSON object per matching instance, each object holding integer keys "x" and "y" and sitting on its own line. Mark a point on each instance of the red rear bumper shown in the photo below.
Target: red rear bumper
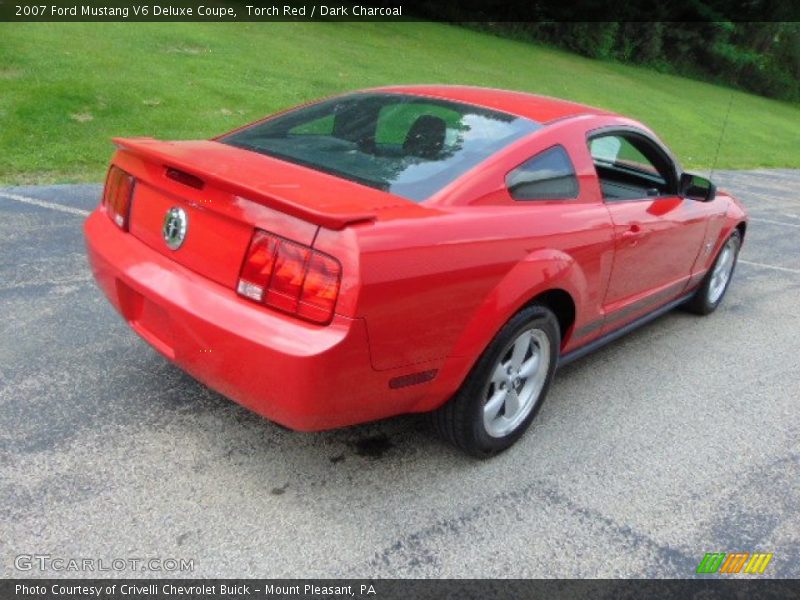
{"x": 300, "y": 375}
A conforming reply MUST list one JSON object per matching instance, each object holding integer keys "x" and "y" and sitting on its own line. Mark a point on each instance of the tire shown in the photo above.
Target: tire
{"x": 498, "y": 378}
{"x": 715, "y": 284}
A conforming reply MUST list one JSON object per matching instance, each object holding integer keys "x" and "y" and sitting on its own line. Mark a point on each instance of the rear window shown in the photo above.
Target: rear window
{"x": 407, "y": 145}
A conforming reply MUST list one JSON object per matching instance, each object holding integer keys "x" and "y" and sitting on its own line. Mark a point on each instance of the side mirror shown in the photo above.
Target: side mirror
{"x": 697, "y": 188}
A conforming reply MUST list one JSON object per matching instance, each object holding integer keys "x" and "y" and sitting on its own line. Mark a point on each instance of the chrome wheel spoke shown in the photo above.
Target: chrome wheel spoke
{"x": 499, "y": 375}
{"x": 520, "y": 349}
{"x": 492, "y": 408}
{"x": 530, "y": 366}
{"x": 513, "y": 405}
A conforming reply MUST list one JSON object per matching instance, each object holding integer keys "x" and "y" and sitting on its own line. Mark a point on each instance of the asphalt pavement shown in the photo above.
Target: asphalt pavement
{"x": 679, "y": 439}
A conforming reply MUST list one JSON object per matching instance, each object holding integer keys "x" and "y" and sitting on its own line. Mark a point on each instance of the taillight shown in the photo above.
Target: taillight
{"x": 290, "y": 277}
{"x": 117, "y": 196}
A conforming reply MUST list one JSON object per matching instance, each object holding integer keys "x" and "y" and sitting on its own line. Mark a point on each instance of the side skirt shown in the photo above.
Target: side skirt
{"x": 567, "y": 358}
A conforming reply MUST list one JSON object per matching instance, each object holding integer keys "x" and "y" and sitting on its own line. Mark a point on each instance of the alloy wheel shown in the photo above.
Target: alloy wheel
{"x": 516, "y": 382}
{"x": 722, "y": 271}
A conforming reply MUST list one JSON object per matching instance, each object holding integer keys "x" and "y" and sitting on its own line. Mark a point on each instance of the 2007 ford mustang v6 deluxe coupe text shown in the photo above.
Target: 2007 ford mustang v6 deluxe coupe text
{"x": 435, "y": 249}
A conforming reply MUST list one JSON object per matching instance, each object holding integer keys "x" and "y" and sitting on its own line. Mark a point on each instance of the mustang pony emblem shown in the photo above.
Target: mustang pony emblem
{"x": 174, "y": 230}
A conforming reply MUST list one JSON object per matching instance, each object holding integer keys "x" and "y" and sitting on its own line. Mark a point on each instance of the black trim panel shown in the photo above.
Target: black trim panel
{"x": 630, "y": 309}
{"x": 590, "y": 328}
{"x": 565, "y": 359}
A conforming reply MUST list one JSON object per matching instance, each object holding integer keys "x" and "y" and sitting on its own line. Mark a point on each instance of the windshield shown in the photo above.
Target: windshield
{"x": 411, "y": 146}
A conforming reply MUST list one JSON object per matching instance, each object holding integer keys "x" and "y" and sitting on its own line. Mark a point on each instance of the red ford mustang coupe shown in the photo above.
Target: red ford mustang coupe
{"x": 407, "y": 249}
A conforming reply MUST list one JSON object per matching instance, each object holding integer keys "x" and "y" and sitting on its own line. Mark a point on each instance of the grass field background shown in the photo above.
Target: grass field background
{"x": 65, "y": 89}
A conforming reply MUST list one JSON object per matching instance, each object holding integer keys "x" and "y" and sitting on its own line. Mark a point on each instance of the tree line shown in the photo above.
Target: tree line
{"x": 760, "y": 57}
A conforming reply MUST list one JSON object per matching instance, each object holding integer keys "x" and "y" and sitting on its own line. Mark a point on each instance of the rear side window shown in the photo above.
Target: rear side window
{"x": 547, "y": 176}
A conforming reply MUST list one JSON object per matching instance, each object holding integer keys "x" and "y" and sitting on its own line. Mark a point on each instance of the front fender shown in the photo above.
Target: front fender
{"x": 734, "y": 214}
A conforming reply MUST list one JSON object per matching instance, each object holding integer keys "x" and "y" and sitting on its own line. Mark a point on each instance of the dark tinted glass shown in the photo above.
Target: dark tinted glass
{"x": 408, "y": 145}
{"x": 547, "y": 176}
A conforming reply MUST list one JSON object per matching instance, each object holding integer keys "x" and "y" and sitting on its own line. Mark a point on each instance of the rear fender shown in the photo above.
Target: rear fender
{"x": 542, "y": 271}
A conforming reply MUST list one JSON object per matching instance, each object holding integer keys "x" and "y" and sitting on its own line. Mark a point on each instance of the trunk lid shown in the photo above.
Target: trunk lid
{"x": 225, "y": 192}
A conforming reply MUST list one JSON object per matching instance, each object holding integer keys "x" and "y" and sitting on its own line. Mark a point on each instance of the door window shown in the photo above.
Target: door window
{"x": 630, "y": 167}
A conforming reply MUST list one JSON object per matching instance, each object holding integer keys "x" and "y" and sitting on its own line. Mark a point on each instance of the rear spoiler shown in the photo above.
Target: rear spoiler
{"x": 156, "y": 150}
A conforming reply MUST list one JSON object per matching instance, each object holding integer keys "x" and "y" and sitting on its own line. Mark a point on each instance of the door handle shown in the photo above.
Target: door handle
{"x": 634, "y": 234}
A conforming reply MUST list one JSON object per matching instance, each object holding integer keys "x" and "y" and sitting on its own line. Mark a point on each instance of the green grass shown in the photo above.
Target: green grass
{"x": 65, "y": 89}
